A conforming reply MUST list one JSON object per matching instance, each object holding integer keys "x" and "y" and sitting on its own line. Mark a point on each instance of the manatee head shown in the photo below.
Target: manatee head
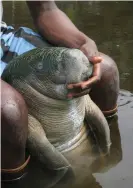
{"x": 61, "y": 65}
{"x": 55, "y": 67}
{"x": 50, "y": 69}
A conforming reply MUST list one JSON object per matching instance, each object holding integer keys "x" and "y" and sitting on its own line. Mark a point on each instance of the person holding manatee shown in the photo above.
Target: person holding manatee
{"x": 53, "y": 25}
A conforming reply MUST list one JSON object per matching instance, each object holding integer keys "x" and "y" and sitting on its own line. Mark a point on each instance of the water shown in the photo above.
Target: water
{"x": 110, "y": 24}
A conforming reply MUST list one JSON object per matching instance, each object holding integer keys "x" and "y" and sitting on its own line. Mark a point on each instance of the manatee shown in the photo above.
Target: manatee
{"x": 56, "y": 125}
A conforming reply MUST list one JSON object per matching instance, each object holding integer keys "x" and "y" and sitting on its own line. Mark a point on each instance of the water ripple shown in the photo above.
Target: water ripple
{"x": 125, "y": 98}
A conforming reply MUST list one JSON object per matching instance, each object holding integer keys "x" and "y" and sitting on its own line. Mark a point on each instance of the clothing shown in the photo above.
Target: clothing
{"x": 16, "y": 42}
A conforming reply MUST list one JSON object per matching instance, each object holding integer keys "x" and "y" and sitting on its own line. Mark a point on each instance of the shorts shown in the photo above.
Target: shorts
{"x": 16, "y": 42}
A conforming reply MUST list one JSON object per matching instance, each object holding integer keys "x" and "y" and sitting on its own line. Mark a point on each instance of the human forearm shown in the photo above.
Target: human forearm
{"x": 58, "y": 29}
{"x": 53, "y": 24}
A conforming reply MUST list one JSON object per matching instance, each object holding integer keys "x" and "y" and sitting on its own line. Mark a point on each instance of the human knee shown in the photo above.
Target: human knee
{"x": 110, "y": 78}
{"x": 14, "y": 116}
{"x": 110, "y": 72}
{"x": 106, "y": 91}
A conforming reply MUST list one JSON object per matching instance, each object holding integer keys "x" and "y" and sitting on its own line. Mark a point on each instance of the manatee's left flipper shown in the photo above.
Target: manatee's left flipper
{"x": 94, "y": 117}
{"x": 40, "y": 147}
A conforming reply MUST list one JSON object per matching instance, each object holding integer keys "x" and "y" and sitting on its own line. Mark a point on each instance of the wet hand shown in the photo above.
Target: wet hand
{"x": 83, "y": 88}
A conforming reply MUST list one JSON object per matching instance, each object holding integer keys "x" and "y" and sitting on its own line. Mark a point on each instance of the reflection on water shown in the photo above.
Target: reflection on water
{"x": 121, "y": 175}
{"x": 126, "y": 98}
{"x": 110, "y": 24}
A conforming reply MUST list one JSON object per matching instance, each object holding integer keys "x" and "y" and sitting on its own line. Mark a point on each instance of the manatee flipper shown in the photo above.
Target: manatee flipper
{"x": 40, "y": 147}
{"x": 95, "y": 117}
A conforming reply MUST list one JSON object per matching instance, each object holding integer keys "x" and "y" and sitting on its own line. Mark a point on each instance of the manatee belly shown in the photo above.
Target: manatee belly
{"x": 63, "y": 123}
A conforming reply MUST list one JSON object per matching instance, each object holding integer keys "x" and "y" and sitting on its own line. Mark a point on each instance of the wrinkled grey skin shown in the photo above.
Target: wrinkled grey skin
{"x": 56, "y": 125}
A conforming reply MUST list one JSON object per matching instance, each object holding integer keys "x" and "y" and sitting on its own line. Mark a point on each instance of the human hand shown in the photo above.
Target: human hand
{"x": 83, "y": 88}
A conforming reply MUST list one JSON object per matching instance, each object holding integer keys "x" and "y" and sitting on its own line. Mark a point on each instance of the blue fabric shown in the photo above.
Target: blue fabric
{"x": 16, "y": 42}
{"x": 3, "y": 66}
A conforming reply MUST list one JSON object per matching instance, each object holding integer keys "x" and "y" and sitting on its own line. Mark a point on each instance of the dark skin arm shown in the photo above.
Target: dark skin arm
{"x": 54, "y": 25}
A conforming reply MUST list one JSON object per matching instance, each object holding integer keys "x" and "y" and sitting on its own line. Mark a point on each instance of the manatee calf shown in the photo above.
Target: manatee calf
{"x": 56, "y": 125}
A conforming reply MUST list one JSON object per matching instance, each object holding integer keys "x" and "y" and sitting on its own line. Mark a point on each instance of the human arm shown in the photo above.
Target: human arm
{"x": 54, "y": 25}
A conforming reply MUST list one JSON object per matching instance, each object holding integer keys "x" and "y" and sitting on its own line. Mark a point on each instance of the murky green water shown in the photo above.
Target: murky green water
{"x": 110, "y": 24}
